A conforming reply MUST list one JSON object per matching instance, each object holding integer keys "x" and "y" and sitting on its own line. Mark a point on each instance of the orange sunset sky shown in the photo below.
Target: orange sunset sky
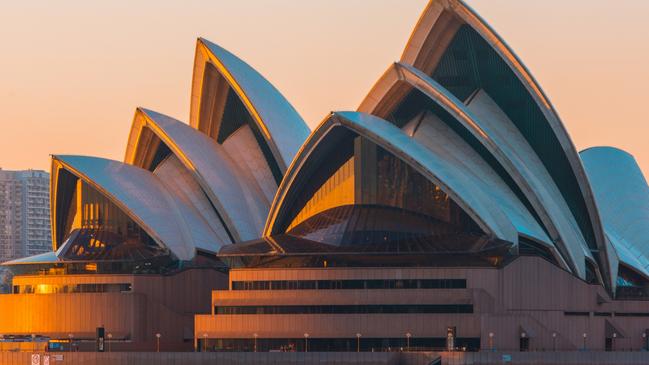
{"x": 73, "y": 72}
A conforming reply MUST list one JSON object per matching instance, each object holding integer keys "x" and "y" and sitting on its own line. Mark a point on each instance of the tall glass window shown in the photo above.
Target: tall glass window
{"x": 97, "y": 229}
{"x": 364, "y": 195}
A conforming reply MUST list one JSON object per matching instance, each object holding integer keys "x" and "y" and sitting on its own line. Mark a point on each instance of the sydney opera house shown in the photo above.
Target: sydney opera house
{"x": 450, "y": 211}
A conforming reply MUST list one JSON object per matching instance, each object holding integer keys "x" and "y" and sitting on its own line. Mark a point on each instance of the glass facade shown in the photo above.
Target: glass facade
{"x": 155, "y": 265}
{"x": 365, "y": 197}
{"x": 346, "y": 309}
{"x": 97, "y": 229}
{"x": 299, "y": 252}
{"x": 349, "y": 284}
{"x": 71, "y": 288}
{"x": 528, "y": 247}
{"x": 631, "y": 285}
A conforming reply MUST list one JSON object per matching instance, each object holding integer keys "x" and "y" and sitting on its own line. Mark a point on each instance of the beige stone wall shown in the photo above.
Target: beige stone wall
{"x": 528, "y": 295}
{"x": 156, "y": 304}
{"x": 61, "y": 314}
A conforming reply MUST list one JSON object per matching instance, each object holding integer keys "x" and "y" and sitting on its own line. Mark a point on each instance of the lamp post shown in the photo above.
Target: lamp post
{"x": 306, "y": 342}
{"x": 255, "y": 342}
{"x": 110, "y": 337}
{"x": 70, "y": 337}
{"x": 554, "y": 341}
{"x": 585, "y": 336}
{"x": 358, "y": 342}
{"x": 408, "y": 335}
{"x": 491, "y": 341}
{"x": 157, "y": 340}
{"x": 613, "y": 341}
{"x": 204, "y": 342}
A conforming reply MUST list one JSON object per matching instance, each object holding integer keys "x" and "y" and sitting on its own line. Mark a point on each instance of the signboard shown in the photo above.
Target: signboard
{"x": 46, "y": 359}
{"x": 507, "y": 358}
{"x": 36, "y": 359}
{"x": 57, "y": 357}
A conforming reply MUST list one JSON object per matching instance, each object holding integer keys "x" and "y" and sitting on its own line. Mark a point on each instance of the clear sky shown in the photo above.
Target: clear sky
{"x": 72, "y": 72}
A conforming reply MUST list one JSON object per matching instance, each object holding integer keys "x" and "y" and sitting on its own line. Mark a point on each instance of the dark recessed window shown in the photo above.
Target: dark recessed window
{"x": 584, "y": 314}
{"x": 346, "y": 309}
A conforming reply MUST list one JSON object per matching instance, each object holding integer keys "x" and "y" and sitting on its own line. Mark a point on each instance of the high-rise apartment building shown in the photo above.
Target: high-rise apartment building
{"x": 24, "y": 213}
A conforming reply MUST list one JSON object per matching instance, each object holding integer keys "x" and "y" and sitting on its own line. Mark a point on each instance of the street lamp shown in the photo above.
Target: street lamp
{"x": 157, "y": 340}
{"x": 644, "y": 340}
{"x": 255, "y": 336}
{"x": 613, "y": 341}
{"x": 204, "y": 342}
{"x": 306, "y": 342}
{"x": 358, "y": 342}
{"x": 554, "y": 341}
{"x": 491, "y": 341}
{"x": 408, "y": 335}
{"x": 110, "y": 336}
{"x": 33, "y": 342}
{"x": 585, "y": 336}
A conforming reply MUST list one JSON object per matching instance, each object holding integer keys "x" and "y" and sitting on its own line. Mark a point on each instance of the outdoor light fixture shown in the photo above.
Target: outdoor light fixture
{"x": 491, "y": 341}
{"x": 205, "y": 342}
{"x": 358, "y": 342}
{"x": 408, "y": 335}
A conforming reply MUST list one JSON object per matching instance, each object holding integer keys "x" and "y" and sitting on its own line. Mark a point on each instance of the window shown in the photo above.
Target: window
{"x": 584, "y": 314}
{"x": 72, "y": 288}
{"x": 350, "y": 284}
{"x": 631, "y": 314}
{"x": 631, "y": 285}
{"x": 365, "y": 197}
{"x": 346, "y": 309}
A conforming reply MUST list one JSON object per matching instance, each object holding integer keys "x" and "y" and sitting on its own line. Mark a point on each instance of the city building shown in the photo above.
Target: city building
{"x": 450, "y": 211}
{"x": 24, "y": 213}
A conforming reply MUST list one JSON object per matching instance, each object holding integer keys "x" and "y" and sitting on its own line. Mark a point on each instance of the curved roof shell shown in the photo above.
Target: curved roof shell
{"x": 237, "y": 199}
{"x": 441, "y": 170}
{"x": 496, "y": 140}
{"x": 282, "y": 128}
{"x": 141, "y": 196}
{"x": 436, "y": 48}
{"x": 622, "y": 196}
